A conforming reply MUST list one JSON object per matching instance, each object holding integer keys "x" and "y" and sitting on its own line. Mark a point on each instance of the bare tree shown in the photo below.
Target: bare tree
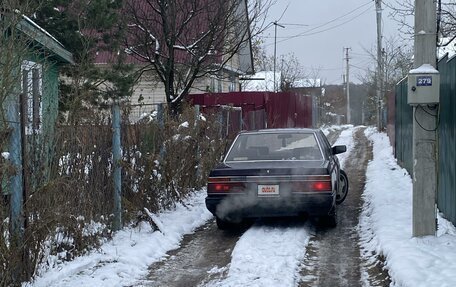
{"x": 447, "y": 27}
{"x": 403, "y": 11}
{"x": 397, "y": 62}
{"x": 183, "y": 41}
{"x": 289, "y": 66}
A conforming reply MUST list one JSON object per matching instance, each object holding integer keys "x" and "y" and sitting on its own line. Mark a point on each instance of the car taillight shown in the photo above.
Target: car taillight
{"x": 321, "y": 186}
{"x": 223, "y": 185}
{"x": 314, "y": 183}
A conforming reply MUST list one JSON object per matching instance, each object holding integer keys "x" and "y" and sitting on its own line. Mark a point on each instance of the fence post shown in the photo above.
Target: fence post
{"x": 220, "y": 121}
{"x": 198, "y": 169}
{"x": 161, "y": 115}
{"x": 240, "y": 120}
{"x": 117, "y": 173}
{"x": 16, "y": 183}
{"x": 161, "y": 125}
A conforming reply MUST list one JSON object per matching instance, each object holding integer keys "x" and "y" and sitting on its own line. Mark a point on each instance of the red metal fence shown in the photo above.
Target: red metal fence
{"x": 260, "y": 109}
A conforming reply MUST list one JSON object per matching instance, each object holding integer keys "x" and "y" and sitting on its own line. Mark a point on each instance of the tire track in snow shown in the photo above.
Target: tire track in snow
{"x": 333, "y": 257}
{"x": 268, "y": 254}
{"x": 271, "y": 254}
{"x": 202, "y": 256}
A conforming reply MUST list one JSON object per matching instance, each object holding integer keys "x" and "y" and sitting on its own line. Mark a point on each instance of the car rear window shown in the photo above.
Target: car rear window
{"x": 274, "y": 146}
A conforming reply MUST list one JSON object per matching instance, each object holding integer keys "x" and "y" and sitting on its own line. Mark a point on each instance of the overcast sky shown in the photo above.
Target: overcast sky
{"x": 332, "y": 25}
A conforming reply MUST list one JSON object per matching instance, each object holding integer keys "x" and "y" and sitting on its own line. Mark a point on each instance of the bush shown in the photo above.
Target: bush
{"x": 70, "y": 199}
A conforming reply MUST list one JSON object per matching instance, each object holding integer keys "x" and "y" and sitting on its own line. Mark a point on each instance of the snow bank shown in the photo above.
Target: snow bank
{"x": 386, "y": 225}
{"x": 126, "y": 258}
{"x": 346, "y": 138}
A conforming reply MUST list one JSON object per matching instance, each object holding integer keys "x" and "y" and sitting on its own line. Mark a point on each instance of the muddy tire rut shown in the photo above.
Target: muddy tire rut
{"x": 202, "y": 257}
{"x": 333, "y": 255}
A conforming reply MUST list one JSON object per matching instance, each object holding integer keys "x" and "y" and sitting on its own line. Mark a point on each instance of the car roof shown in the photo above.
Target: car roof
{"x": 282, "y": 130}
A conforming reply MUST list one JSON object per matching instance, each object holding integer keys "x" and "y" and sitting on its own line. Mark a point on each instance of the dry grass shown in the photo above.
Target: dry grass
{"x": 72, "y": 186}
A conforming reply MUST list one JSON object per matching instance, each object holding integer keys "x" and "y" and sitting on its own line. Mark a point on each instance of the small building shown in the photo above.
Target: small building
{"x": 221, "y": 71}
{"x": 30, "y": 94}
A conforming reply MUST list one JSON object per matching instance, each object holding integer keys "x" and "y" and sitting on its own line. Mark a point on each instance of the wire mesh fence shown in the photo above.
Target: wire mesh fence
{"x": 68, "y": 179}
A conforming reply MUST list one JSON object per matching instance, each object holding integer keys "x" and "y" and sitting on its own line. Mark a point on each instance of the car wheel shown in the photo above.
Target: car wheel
{"x": 224, "y": 224}
{"x": 342, "y": 190}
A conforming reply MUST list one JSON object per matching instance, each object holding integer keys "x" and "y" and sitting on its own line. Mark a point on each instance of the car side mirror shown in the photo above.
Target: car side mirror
{"x": 339, "y": 149}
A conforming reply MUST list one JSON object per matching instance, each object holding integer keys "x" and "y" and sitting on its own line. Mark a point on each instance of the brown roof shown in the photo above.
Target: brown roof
{"x": 193, "y": 19}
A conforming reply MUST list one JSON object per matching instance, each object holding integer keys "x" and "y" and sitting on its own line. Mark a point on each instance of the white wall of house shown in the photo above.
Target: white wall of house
{"x": 149, "y": 92}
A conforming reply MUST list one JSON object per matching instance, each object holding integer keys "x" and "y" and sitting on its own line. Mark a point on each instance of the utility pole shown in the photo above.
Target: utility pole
{"x": 275, "y": 50}
{"x": 378, "y": 6}
{"x": 423, "y": 95}
{"x": 347, "y": 89}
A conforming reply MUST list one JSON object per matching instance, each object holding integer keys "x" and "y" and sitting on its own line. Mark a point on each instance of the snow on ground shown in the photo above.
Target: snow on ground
{"x": 346, "y": 138}
{"x": 126, "y": 258}
{"x": 268, "y": 255}
{"x": 386, "y": 225}
{"x": 327, "y": 129}
{"x": 271, "y": 256}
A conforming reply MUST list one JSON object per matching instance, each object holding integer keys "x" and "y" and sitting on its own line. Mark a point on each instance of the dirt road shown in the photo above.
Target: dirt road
{"x": 202, "y": 257}
{"x": 332, "y": 256}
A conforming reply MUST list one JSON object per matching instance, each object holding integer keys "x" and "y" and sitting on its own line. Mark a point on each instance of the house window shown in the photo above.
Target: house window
{"x": 212, "y": 85}
{"x": 219, "y": 85}
{"x": 32, "y": 92}
{"x": 232, "y": 87}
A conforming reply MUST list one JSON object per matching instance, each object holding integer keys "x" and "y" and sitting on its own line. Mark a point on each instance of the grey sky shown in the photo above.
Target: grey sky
{"x": 324, "y": 49}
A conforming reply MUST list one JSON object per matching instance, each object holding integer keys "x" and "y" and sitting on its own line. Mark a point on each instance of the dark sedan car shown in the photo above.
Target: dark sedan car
{"x": 277, "y": 172}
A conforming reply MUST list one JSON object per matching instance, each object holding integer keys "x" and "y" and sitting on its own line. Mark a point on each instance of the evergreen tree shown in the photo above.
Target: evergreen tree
{"x": 86, "y": 28}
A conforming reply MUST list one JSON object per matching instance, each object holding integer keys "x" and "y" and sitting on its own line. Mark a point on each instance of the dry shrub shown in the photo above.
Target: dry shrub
{"x": 70, "y": 197}
{"x": 167, "y": 161}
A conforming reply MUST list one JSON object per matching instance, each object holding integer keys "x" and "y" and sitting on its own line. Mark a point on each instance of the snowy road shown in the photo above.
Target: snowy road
{"x": 191, "y": 251}
{"x": 333, "y": 257}
{"x": 203, "y": 256}
{"x": 284, "y": 252}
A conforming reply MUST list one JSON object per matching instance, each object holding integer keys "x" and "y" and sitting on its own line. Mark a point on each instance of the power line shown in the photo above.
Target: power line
{"x": 340, "y": 17}
{"x": 283, "y": 13}
{"x": 309, "y": 33}
{"x": 295, "y": 24}
{"x": 331, "y": 69}
{"x": 357, "y": 67}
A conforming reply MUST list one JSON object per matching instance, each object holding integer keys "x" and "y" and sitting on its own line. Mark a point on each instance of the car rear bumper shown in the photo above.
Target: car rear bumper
{"x": 244, "y": 206}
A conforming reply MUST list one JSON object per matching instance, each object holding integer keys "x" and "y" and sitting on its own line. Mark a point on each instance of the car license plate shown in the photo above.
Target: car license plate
{"x": 268, "y": 190}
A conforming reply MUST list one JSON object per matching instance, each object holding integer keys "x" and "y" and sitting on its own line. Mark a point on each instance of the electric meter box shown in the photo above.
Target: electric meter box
{"x": 423, "y": 87}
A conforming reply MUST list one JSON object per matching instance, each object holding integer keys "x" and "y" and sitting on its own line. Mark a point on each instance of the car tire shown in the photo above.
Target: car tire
{"x": 342, "y": 189}
{"x": 224, "y": 224}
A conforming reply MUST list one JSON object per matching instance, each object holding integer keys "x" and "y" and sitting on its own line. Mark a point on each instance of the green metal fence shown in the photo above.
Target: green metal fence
{"x": 446, "y": 196}
{"x": 404, "y": 127}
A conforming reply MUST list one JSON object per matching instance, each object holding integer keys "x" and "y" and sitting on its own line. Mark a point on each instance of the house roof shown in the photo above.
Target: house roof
{"x": 262, "y": 81}
{"x": 191, "y": 32}
{"x": 41, "y": 36}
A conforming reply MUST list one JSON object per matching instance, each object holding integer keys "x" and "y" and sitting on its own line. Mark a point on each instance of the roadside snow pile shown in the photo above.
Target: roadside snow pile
{"x": 346, "y": 138}
{"x": 126, "y": 258}
{"x": 266, "y": 255}
{"x": 386, "y": 225}
{"x": 327, "y": 129}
